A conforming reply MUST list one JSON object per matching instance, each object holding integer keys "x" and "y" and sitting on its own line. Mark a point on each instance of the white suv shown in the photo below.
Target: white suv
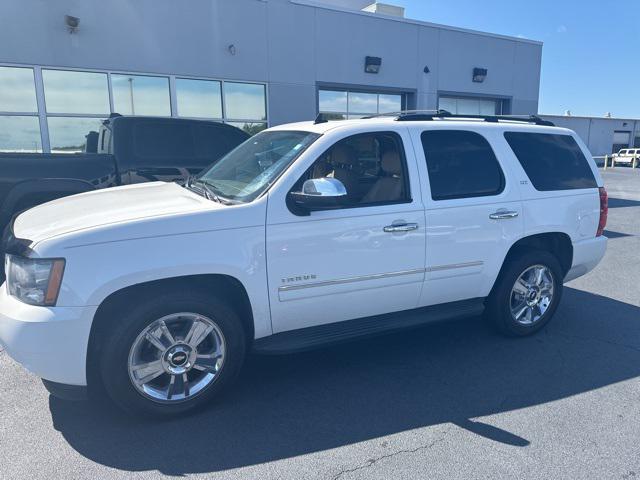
{"x": 627, "y": 156}
{"x": 307, "y": 233}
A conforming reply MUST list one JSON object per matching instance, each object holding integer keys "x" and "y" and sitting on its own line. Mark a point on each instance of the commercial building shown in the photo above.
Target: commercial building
{"x": 603, "y": 135}
{"x": 65, "y": 65}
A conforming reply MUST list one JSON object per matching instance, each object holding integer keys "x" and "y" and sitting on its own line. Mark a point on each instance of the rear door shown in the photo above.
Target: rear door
{"x": 473, "y": 211}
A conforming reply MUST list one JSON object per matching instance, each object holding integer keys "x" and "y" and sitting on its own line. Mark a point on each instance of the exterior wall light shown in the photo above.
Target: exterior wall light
{"x": 372, "y": 64}
{"x": 72, "y": 23}
{"x": 426, "y": 69}
{"x": 479, "y": 74}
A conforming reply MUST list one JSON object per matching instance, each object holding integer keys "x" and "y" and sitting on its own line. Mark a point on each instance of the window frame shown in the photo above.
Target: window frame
{"x": 503, "y": 180}
{"x": 405, "y": 172}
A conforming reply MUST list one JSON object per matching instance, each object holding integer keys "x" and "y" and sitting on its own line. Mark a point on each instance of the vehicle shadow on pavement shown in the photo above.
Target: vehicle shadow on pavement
{"x": 285, "y": 406}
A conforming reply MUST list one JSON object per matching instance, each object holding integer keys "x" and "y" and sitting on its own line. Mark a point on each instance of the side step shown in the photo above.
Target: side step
{"x": 311, "y": 337}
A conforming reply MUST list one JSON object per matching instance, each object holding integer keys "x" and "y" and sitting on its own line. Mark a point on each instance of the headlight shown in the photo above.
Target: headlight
{"x": 35, "y": 281}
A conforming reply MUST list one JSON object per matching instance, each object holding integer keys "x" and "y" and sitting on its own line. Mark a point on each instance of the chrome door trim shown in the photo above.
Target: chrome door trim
{"x": 360, "y": 278}
{"x": 437, "y": 268}
{"x": 377, "y": 276}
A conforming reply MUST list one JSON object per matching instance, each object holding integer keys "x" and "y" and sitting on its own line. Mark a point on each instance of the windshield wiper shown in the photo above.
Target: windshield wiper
{"x": 211, "y": 192}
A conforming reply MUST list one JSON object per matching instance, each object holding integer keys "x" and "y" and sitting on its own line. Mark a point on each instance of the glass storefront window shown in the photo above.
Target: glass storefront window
{"x": 76, "y": 92}
{"x": 470, "y": 106}
{"x": 389, "y": 103}
{"x": 140, "y": 95}
{"x": 363, "y": 102}
{"x": 20, "y": 134}
{"x": 17, "y": 90}
{"x": 73, "y": 102}
{"x": 340, "y": 104}
{"x": 68, "y": 134}
{"x": 332, "y": 101}
{"x": 199, "y": 98}
{"x": 246, "y": 101}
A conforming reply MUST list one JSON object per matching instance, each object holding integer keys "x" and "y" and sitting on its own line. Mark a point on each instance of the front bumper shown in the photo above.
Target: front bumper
{"x": 51, "y": 342}
{"x": 586, "y": 255}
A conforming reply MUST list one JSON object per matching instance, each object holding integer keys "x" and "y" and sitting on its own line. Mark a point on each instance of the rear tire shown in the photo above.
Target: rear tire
{"x": 191, "y": 343}
{"x": 527, "y": 293}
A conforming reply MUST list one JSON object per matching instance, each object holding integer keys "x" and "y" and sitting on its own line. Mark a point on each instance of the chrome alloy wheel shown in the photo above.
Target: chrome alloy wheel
{"x": 176, "y": 357}
{"x": 532, "y": 294}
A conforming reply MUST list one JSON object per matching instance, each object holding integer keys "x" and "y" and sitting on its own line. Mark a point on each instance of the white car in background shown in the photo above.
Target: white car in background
{"x": 627, "y": 156}
{"x": 305, "y": 234}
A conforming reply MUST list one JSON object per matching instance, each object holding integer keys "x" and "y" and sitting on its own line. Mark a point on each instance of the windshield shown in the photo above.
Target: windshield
{"x": 247, "y": 171}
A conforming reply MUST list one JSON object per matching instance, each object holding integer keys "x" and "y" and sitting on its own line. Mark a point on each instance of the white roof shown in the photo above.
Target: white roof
{"x": 437, "y": 123}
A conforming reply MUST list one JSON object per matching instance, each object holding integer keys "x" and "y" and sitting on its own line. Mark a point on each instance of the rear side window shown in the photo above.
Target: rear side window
{"x": 166, "y": 141}
{"x": 552, "y": 162}
{"x": 461, "y": 164}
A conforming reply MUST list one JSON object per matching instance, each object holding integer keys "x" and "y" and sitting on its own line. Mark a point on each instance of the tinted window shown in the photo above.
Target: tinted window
{"x": 163, "y": 140}
{"x": 552, "y": 162}
{"x": 461, "y": 164}
{"x": 214, "y": 141}
{"x": 371, "y": 166}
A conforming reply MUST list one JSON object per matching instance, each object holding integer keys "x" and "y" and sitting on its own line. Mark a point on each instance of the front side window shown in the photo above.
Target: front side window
{"x": 371, "y": 166}
{"x": 250, "y": 169}
{"x": 552, "y": 162}
{"x": 461, "y": 164}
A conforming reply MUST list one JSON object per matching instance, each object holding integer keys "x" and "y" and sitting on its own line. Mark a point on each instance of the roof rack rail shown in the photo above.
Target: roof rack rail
{"x": 403, "y": 112}
{"x": 415, "y": 117}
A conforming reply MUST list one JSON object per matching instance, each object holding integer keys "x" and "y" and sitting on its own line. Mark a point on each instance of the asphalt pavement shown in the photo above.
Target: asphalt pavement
{"x": 446, "y": 401}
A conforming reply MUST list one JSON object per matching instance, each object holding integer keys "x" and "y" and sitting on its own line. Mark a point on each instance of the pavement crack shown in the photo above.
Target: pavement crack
{"x": 372, "y": 461}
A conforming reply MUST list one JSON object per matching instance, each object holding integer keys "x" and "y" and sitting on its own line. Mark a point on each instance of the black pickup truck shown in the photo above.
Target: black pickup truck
{"x": 126, "y": 150}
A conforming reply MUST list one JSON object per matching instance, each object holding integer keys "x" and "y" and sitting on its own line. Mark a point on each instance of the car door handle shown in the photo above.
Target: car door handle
{"x": 401, "y": 227}
{"x": 503, "y": 214}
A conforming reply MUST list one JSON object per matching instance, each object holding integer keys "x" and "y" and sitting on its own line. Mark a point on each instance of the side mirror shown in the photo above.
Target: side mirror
{"x": 319, "y": 194}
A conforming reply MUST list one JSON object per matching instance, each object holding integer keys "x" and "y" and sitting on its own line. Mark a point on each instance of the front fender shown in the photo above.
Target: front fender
{"x": 95, "y": 271}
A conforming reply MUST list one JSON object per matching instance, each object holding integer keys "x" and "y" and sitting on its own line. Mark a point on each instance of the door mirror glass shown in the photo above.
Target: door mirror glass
{"x": 320, "y": 193}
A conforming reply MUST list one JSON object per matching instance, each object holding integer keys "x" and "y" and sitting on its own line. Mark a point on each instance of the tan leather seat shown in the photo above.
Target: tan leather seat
{"x": 344, "y": 162}
{"x": 389, "y": 187}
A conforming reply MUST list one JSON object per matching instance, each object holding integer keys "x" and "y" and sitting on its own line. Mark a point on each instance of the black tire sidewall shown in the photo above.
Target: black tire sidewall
{"x": 499, "y": 310}
{"x": 115, "y": 353}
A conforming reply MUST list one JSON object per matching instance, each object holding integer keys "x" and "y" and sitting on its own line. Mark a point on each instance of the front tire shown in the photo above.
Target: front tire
{"x": 527, "y": 293}
{"x": 172, "y": 353}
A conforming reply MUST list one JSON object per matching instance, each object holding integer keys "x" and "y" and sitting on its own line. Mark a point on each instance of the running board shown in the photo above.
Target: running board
{"x": 312, "y": 337}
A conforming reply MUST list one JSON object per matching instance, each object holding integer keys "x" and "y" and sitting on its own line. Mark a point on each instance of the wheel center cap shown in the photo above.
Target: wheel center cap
{"x": 533, "y": 296}
{"x": 178, "y": 359}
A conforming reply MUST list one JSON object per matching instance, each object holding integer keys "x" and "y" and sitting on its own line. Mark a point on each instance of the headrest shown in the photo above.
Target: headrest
{"x": 391, "y": 163}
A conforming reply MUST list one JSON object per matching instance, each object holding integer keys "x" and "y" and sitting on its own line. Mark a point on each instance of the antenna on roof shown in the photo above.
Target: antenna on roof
{"x": 321, "y": 118}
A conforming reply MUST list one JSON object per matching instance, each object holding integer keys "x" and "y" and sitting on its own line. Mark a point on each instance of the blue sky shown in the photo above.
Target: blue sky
{"x": 591, "y": 53}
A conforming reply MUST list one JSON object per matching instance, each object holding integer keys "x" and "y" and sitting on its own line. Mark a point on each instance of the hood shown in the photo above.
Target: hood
{"x": 103, "y": 207}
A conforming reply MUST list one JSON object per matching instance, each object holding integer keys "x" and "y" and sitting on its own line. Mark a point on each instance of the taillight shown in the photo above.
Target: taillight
{"x": 604, "y": 211}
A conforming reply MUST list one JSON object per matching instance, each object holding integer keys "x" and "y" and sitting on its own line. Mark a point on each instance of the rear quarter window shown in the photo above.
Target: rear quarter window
{"x": 551, "y": 161}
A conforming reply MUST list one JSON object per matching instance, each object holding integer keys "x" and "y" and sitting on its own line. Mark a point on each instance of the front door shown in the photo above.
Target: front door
{"x": 364, "y": 258}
